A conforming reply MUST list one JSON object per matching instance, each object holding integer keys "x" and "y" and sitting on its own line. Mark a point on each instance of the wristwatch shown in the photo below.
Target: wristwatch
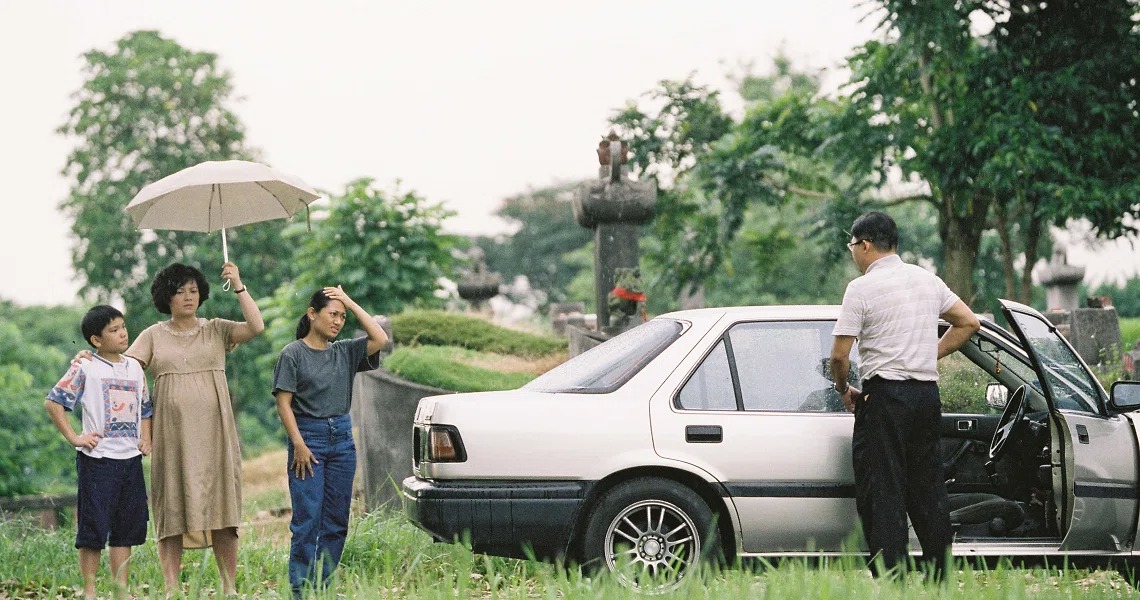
{"x": 843, "y": 391}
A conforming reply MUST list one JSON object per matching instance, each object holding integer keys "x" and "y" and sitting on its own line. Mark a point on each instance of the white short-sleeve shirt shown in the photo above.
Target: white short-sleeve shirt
{"x": 115, "y": 400}
{"x": 893, "y": 310}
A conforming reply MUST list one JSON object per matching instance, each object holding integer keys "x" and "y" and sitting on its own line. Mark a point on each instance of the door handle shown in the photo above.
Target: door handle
{"x": 1082, "y": 434}
{"x": 703, "y": 434}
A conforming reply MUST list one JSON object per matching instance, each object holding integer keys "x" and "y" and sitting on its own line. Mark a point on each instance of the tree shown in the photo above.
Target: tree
{"x": 385, "y": 248}
{"x": 32, "y": 452}
{"x": 546, "y": 230}
{"x": 147, "y": 109}
{"x": 1033, "y": 120}
{"x": 759, "y": 179}
{"x": 666, "y": 146}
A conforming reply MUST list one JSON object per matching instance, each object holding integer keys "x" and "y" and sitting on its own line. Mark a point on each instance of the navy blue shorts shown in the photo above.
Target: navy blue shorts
{"x": 112, "y": 502}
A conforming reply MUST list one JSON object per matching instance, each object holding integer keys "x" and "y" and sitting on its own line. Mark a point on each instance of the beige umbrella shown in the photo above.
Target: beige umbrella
{"x": 217, "y": 195}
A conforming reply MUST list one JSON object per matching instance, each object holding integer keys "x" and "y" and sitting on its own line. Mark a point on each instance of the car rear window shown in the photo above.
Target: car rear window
{"x": 608, "y": 366}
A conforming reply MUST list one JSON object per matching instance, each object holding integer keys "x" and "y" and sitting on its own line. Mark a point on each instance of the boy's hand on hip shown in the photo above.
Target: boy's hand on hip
{"x": 303, "y": 461}
{"x": 88, "y": 440}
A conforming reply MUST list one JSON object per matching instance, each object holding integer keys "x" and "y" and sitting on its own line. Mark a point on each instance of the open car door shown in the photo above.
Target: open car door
{"x": 1094, "y": 455}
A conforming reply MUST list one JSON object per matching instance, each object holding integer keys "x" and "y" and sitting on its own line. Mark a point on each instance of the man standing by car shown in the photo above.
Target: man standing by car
{"x": 893, "y": 310}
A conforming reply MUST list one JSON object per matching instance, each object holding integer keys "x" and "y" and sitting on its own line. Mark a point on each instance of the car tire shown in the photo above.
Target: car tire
{"x": 650, "y": 526}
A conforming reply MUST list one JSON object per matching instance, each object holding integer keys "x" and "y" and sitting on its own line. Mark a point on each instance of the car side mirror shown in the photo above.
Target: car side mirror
{"x": 1125, "y": 395}
{"x": 997, "y": 395}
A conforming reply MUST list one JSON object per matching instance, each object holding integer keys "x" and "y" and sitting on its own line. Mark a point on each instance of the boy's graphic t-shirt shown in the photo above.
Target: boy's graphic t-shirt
{"x": 115, "y": 400}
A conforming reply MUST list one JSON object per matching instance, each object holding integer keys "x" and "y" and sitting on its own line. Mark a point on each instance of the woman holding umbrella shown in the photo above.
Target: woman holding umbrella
{"x": 196, "y": 467}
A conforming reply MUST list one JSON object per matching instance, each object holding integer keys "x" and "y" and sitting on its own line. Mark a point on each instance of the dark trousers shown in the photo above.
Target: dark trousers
{"x": 321, "y": 501}
{"x": 898, "y": 472}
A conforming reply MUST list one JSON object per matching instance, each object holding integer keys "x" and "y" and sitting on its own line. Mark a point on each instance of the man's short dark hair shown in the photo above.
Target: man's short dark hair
{"x": 168, "y": 280}
{"x": 97, "y": 319}
{"x": 878, "y": 228}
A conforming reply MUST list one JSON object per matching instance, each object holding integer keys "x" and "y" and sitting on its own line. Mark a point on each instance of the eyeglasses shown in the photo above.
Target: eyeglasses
{"x": 851, "y": 245}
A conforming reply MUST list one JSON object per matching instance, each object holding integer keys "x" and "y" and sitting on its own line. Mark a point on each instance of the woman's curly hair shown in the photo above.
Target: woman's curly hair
{"x": 168, "y": 280}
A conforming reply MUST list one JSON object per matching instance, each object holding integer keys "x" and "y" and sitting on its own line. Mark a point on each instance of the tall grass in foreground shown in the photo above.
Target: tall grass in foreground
{"x": 388, "y": 558}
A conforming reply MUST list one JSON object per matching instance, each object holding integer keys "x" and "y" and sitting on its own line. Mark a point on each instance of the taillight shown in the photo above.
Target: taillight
{"x": 445, "y": 445}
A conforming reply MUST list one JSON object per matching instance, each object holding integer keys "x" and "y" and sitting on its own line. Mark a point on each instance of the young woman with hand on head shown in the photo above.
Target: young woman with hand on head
{"x": 312, "y": 383}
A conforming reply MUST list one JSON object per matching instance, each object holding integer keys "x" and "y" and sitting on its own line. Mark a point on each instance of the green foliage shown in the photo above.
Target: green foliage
{"x": 962, "y": 386}
{"x": 1030, "y": 124}
{"x": 546, "y": 230}
{"x": 447, "y": 368}
{"x": 1129, "y": 331}
{"x": 665, "y": 146}
{"x": 739, "y": 199}
{"x": 147, "y": 109}
{"x": 32, "y": 452}
{"x": 581, "y": 287}
{"x": 449, "y": 329}
{"x": 386, "y": 249}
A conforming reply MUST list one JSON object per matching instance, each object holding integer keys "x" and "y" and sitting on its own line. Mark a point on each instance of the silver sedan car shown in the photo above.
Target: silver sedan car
{"x": 717, "y": 433}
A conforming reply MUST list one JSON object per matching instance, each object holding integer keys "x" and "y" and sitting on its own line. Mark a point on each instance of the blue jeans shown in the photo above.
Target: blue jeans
{"x": 321, "y": 501}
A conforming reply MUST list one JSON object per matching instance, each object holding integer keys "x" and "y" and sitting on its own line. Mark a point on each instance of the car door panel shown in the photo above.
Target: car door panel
{"x": 965, "y": 445}
{"x": 1094, "y": 454}
{"x": 788, "y": 472}
{"x": 1101, "y": 456}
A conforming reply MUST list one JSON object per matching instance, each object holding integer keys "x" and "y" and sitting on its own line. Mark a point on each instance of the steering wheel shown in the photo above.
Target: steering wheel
{"x": 1011, "y": 421}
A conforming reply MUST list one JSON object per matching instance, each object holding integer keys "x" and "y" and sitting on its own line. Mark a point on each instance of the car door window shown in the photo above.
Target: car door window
{"x": 785, "y": 366}
{"x": 962, "y": 386}
{"x": 710, "y": 387}
{"x": 1070, "y": 384}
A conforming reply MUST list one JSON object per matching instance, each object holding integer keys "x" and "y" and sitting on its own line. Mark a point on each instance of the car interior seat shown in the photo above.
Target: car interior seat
{"x": 984, "y": 515}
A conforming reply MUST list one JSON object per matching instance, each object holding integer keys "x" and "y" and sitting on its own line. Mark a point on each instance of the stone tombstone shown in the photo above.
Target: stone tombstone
{"x": 383, "y": 410}
{"x": 1129, "y": 361}
{"x": 563, "y": 313}
{"x": 1061, "y": 281}
{"x": 478, "y": 284}
{"x": 1093, "y": 332}
{"x": 614, "y": 207}
{"x": 582, "y": 339}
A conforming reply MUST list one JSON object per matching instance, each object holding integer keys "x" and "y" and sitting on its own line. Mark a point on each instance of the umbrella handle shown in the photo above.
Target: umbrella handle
{"x": 225, "y": 258}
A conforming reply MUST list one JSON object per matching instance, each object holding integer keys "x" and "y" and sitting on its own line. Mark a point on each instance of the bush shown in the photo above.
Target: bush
{"x": 437, "y": 328}
{"x": 449, "y": 369}
{"x": 1129, "y": 331}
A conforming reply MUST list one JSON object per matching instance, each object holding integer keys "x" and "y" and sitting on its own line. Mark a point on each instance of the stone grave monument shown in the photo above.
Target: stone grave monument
{"x": 614, "y": 206}
{"x": 479, "y": 285}
{"x": 1093, "y": 332}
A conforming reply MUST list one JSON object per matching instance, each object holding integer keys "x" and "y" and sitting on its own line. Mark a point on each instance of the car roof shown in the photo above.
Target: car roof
{"x": 743, "y": 313}
{"x": 737, "y": 313}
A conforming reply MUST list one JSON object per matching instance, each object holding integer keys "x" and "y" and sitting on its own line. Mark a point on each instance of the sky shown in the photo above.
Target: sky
{"x": 466, "y": 103}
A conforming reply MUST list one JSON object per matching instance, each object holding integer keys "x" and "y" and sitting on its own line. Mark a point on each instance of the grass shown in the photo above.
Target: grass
{"x": 388, "y": 558}
{"x": 437, "y": 328}
{"x": 457, "y": 369}
{"x": 1129, "y": 331}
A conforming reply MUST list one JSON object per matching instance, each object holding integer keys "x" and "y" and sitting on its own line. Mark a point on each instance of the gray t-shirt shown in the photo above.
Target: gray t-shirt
{"x": 321, "y": 380}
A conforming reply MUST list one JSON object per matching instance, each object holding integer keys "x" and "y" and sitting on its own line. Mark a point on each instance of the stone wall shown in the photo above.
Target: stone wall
{"x": 383, "y": 408}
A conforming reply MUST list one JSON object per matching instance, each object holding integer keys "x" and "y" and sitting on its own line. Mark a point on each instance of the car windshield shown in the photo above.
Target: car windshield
{"x": 608, "y": 366}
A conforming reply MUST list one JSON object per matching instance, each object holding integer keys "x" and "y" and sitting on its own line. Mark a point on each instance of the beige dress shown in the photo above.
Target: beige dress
{"x": 195, "y": 470}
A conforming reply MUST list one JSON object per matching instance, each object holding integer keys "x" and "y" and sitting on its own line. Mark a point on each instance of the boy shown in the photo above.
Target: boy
{"x": 111, "y": 388}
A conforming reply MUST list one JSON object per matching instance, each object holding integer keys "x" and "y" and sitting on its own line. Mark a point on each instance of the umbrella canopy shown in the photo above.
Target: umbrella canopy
{"x": 216, "y": 195}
